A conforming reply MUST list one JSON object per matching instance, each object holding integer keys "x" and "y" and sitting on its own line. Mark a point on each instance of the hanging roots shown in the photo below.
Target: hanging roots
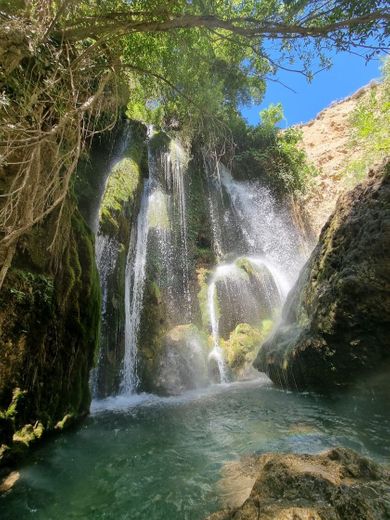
{"x": 52, "y": 100}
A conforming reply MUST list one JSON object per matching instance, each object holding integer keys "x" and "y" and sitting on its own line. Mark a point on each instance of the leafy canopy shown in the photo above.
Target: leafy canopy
{"x": 187, "y": 61}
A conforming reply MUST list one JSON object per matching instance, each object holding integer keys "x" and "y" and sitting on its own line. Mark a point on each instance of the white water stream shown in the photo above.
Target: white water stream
{"x": 134, "y": 292}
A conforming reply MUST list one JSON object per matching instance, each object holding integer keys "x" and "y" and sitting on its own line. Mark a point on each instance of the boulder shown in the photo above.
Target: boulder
{"x": 336, "y": 485}
{"x": 336, "y": 320}
{"x": 242, "y": 346}
{"x": 181, "y": 363}
{"x": 246, "y": 293}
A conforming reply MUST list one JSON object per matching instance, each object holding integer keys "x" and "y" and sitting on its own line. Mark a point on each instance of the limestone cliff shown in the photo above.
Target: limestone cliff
{"x": 50, "y": 310}
{"x": 116, "y": 221}
{"x": 329, "y": 146}
{"x": 49, "y": 324}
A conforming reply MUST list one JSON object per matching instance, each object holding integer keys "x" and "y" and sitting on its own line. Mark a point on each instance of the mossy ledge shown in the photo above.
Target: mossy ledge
{"x": 49, "y": 327}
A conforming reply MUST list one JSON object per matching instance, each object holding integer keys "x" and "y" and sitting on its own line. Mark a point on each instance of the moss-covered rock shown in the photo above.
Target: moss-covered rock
{"x": 242, "y": 347}
{"x": 94, "y": 165}
{"x": 123, "y": 186}
{"x": 336, "y": 321}
{"x": 49, "y": 325}
{"x": 153, "y": 327}
{"x": 246, "y": 293}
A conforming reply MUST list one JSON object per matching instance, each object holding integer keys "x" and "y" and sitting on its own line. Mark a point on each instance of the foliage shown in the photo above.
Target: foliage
{"x": 267, "y": 152}
{"x": 123, "y": 184}
{"x": 32, "y": 289}
{"x": 371, "y": 127}
{"x": 187, "y": 65}
{"x": 272, "y": 115}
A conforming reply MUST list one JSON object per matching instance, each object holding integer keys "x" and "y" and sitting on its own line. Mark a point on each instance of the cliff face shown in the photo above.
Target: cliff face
{"x": 328, "y": 143}
{"x": 50, "y": 312}
{"x": 337, "y": 317}
{"x": 116, "y": 221}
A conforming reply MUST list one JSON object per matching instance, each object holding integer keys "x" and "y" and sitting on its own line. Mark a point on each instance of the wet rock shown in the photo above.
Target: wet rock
{"x": 336, "y": 321}
{"x": 246, "y": 293}
{"x": 336, "y": 485}
{"x": 242, "y": 346}
{"x": 181, "y": 363}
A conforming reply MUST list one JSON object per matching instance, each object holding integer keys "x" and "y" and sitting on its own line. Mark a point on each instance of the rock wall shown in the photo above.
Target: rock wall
{"x": 50, "y": 311}
{"x": 327, "y": 141}
{"x": 336, "y": 321}
{"x": 48, "y": 335}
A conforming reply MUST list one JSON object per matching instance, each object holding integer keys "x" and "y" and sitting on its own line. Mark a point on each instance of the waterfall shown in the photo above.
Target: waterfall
{"x": 282, "y": 282}
{"x": 216, "y": 352}
{"x": 174, "y": 163}
{"x": 134, "y": 292}
{"x": 266, "y": 228}
{"x": 106, "y": 251}
{"x": 163, "y": 205}
{"x": 256, "y": 248}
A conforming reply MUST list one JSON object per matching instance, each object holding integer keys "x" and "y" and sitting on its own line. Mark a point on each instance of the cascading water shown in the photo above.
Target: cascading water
{"x": 161, "y": 233}
{"x": 249, "y": 228}
{"x": 106, "y": 250}
{"x": 257, "y": 256}
{"x": 216, "y": 352}
{"x": 174, "y": 165}
{"x": 134, "y": 291}
{"x": 267, "y": 229}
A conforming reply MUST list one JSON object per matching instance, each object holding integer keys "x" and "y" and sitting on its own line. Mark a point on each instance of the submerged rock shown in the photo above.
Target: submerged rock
{"x": 336, "y": 485}
{"x": 336, "y": 320}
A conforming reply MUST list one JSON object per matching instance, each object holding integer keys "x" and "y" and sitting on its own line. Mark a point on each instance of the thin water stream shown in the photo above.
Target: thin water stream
{"x": 150, "y": 458}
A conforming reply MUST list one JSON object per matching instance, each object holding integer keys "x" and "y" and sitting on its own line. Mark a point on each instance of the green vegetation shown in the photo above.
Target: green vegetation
{"x": 48, "y": 337}
{"x": 273, "y": 154}
{"x": 371, "y": 128}
{"x": 121, "y": 187}
{"x": 70, "y": 67}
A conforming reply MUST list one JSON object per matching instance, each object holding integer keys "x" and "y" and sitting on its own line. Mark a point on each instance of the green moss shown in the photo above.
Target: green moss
{"x": 28, "y": 434}
{"x": 10, "y": 412}
{"x": 245, "y": 264}
{"x": 49, "y": 332}
{"x": 153, "y": 326}
{"x": 66, "y": 421}
{"x": 122, "y": 186}
{"x": 243, "y": 344}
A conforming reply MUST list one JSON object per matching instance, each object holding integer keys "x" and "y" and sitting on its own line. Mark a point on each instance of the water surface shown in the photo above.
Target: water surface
{"x": 153, "y": 458}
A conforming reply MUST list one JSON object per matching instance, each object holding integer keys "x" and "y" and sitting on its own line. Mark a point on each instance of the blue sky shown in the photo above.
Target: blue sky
{"x": 348, "y": 73}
